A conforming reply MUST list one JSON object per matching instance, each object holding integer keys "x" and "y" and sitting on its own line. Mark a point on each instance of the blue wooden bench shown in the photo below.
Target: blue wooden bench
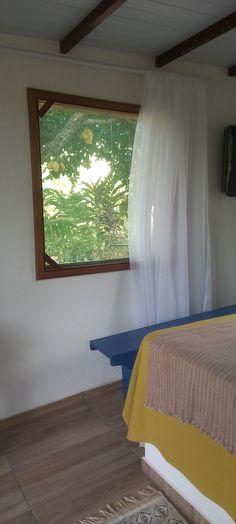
{"x": 121, "y": 349}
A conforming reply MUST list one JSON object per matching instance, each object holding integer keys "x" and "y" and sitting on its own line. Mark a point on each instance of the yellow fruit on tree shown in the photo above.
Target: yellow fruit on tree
{"x": 56, "y": 166}
{"x": 87, "y": 136}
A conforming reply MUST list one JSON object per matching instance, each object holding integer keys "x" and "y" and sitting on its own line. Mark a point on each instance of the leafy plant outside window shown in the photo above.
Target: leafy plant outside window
{"x": 82, "y": 174}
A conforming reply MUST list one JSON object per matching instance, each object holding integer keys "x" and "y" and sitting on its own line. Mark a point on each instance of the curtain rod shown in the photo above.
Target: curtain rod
{"x": 85, "y": 62}
{"x": 74, "y": 60}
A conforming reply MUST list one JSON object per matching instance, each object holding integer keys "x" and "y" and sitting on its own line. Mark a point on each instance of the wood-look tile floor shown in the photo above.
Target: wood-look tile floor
{"x": 66, "y": 460}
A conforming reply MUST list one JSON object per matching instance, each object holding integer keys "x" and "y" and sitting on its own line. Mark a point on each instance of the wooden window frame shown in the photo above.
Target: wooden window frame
{"x": 54, "y": 270}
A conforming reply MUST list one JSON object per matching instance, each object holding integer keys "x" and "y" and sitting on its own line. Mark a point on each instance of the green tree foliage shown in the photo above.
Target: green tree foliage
{"x": 87, "y": 221}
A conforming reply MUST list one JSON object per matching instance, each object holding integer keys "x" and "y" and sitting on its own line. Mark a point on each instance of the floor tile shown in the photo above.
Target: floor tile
{"x": 12, "y": 502}
{"x": 40, "y": 474}
{"x": 84, "y": 489}
{"x": 4, "y": 466}
{"x": 41, "y": 427}
{"x": 22, "y": 450}
{"x": 25, "y": 518}
{"x": 107, "y": 406}
{"x": 117, "y": 425}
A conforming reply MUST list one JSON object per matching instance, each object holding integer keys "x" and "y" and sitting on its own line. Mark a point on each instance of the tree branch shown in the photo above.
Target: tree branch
{"x": 54, "y": 148}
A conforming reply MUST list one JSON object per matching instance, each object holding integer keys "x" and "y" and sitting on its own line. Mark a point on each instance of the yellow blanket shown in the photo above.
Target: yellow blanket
{"x": 201, "y": 459}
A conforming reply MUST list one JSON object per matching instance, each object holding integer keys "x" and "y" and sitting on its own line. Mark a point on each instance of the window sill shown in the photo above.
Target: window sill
{"x": 82, "y": 269}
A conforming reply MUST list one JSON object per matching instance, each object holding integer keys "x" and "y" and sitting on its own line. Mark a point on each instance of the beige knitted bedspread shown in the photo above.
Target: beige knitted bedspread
{"x": 192, "y": 375}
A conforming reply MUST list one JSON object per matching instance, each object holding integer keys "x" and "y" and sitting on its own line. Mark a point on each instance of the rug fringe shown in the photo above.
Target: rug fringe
{"x": 127, "y": 502}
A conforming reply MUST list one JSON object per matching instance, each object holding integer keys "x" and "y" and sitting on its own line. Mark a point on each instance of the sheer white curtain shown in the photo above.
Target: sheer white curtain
{"x": 168, "y": 200}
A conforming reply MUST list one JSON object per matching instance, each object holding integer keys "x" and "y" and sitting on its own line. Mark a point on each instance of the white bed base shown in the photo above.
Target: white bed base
{"x": 213, "y": 513}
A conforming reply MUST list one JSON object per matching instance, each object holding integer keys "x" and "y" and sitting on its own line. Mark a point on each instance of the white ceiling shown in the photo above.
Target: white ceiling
{"x": 140, "y": 26}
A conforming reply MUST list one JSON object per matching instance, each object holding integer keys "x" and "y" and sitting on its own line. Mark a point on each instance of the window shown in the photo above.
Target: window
{"x": 81, "y": 150}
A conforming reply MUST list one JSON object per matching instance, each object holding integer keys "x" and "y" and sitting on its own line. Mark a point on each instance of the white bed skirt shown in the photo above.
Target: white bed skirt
{"x": 206, "y": 507}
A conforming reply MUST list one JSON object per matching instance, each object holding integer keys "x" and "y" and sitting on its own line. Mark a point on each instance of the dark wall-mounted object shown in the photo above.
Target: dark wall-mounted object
{"x": 229, "y": 161}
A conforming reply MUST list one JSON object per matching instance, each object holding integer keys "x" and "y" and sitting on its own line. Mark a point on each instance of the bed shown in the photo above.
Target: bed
{"x": 197, "y": 465}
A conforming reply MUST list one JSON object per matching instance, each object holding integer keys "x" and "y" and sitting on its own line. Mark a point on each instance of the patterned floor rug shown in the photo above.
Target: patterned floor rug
{"x": 148, "y": 506}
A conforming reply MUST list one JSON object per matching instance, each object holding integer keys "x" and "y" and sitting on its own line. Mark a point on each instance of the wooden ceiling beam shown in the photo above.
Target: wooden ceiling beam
{"x": 210, "y": 33}
{"x": 104, "y": 9}
{"x": 232, "y": 71}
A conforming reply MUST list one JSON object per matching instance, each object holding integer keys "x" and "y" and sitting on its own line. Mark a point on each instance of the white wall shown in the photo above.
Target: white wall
{"x": 222, "y": 112}
{"x": 222, "y": 209}
{"x": 45, "y": 326}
